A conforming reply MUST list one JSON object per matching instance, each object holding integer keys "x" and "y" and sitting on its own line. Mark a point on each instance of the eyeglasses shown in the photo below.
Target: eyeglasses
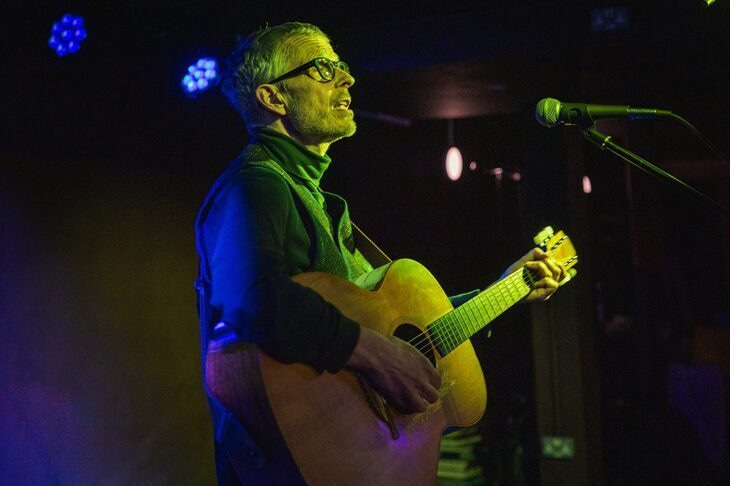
{"x": 325, "y": 68}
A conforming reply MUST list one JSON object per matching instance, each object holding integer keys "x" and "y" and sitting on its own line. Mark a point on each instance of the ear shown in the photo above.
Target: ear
{"x": 271, "y": 99}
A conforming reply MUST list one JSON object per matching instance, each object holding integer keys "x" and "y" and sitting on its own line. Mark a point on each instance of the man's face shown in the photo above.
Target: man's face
{"x": 314, "y": 108}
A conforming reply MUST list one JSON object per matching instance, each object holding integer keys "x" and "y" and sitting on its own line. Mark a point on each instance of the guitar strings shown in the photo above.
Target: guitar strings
{"x": 447, "y": 332}
{"x": 450, "y": 321}
{"x": 444, "y": 329}
{"x": 450, "y": 331}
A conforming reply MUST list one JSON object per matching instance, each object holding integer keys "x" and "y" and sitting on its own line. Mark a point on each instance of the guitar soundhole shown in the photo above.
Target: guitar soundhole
{"x": 418, "y": 339}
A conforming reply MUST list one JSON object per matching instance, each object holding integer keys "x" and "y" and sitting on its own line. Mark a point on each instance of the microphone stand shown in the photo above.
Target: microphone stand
{"x": 604, "y": 142}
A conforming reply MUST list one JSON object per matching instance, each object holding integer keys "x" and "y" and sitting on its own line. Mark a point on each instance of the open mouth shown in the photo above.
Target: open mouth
{"x": 342, "y": 105}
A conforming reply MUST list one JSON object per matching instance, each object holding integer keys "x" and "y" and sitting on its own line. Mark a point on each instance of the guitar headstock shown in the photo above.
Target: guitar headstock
{"x": 559, "y": 246}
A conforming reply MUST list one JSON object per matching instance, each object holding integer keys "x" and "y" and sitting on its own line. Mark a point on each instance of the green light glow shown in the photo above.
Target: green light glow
{"x": 709, "y": 2}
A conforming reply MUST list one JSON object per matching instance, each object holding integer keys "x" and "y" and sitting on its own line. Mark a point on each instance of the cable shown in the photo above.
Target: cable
{"x": 699, "y": 135}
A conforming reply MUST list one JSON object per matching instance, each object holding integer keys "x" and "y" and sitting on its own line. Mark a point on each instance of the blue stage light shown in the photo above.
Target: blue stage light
{"x": 200, "y": 76}
{"x": 67, "y": 34}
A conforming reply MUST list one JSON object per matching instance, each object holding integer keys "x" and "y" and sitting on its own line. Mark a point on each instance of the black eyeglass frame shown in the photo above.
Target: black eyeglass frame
{"x": 341, "y": 65}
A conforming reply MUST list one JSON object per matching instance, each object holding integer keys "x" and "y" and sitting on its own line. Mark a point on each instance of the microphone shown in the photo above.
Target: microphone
{"x": 551, "y": 112}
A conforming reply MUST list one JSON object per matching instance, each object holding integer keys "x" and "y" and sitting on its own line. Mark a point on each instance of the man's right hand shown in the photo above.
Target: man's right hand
{"x": 404, "y": 376}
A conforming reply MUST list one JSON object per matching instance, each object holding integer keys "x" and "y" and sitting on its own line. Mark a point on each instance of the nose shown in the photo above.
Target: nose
{"x": 343, "y": 78}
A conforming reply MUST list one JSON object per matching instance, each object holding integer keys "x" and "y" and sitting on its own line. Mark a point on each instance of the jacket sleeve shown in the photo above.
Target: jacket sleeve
{"x": 246, "y": 234}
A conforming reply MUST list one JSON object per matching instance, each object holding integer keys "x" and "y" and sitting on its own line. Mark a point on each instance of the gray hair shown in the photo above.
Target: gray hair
{"x": 257, "y": 59}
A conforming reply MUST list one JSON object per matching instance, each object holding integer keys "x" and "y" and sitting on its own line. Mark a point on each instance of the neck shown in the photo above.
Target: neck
{"x": 318, "y": 148}
{"x": 452, "y": 329}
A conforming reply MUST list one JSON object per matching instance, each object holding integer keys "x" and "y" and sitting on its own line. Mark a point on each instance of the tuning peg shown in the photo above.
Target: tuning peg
{"x": 543, "y": 236}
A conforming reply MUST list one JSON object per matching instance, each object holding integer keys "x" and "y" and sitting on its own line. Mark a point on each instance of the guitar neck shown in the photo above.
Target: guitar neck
{"x": 452, "y": 329}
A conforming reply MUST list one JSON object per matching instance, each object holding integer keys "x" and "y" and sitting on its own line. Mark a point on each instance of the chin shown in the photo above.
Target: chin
{"x": 351, "y": 130}
{"x": 347, "y": 131}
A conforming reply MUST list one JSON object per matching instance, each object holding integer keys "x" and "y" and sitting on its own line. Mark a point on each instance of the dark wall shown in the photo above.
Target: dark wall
{"x": 100, "y": 359}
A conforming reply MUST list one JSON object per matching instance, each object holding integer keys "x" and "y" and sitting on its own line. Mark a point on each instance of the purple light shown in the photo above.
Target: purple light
{"x": 67, "y": 34}
{"x": 200, "y": 76}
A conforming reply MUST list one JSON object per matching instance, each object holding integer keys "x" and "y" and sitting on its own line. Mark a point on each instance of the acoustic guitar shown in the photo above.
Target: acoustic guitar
{"x": 326, "y": 429}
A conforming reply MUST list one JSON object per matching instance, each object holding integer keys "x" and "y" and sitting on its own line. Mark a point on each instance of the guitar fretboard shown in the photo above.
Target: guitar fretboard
{"x": 452, "y": 329}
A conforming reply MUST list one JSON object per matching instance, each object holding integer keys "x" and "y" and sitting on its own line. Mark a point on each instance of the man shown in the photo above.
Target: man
{"x": 266, "y": 219}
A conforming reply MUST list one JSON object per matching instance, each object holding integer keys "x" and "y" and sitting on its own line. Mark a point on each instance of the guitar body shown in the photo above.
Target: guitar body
{"x": 321, "y": 427}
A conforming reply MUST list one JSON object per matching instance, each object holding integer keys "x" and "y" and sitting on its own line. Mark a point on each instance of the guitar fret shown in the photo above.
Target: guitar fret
{"x": 458, "y": 332}
{"x": 460, "y": 324}
{"x": 502, "y": 301}
{"x": 507, "y": 293}
{"x": 522, "y": 287}
{"x": 435, "y": 335}
{"x": 474, "y": 321}
{"x": 493, "y": 312}
{"x": 469, "y": 311}
{"x": 443, "y": 334}
{"x": 450, "y": 333}
{"x": 464, "y": 323}
{"x": 512, "y": 287}
{"x": 454, "y": 333}
{"x": 479, "y": 321}
{"x": 481, "y": 318}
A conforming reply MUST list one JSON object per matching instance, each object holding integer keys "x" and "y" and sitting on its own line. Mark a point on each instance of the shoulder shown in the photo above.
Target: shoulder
{"x": 256, "y": 193}
{"x": 256, "y": 181}
{"x": 248, "y": 188}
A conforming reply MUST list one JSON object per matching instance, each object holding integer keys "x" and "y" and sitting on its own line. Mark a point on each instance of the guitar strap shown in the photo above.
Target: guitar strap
{"x": 369, "y": 249}
{"x": 229, "y": 433}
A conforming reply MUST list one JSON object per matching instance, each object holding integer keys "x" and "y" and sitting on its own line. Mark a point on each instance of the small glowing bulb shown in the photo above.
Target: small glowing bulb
{"x": 587, "y": 188}
{"x": 454, "y": 164}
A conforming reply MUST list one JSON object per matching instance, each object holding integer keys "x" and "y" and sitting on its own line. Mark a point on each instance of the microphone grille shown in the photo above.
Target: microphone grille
{"x": 547, "y": 111}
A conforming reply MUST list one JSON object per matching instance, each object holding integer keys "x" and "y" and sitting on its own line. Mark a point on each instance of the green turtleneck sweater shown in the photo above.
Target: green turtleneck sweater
{"x": 256, "y": 234}
{"x": 298, "y": 161}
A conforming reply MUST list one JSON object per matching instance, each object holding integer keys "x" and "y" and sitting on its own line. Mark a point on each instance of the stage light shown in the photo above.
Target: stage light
{"x": 587, "y": 186}
{"x": 610, "y": 18}
{"x": 200, "y": 76}
{"x": 67, "y": 35}
{"x": 454, "y": 164}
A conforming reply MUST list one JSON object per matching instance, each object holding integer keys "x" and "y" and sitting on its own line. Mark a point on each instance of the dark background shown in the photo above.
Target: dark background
{"x": 104, "y": 163}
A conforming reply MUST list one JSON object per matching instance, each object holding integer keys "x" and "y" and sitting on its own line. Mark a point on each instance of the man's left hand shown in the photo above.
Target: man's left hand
{"x": 548, "y": 272}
